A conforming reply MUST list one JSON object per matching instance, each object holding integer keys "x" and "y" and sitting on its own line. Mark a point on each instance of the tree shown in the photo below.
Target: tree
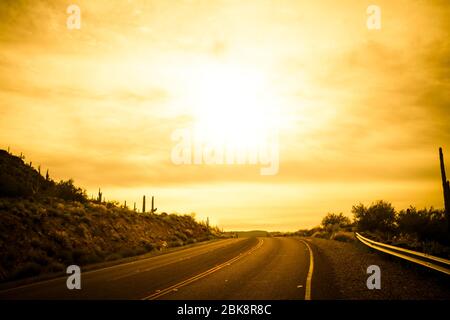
{"x": 333, "y": 219}
{"x": 425, "y": 224}
{"x": 380, "y": 216}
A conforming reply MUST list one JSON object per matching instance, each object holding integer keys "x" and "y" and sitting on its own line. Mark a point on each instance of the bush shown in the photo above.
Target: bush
{"x": 55, "y": 267}
{"x": 332, "y": 219}
{"x": 176, "y": 243}
{"x": 39, "y": 257}
{"x": 45, "y": 226}
{"x": 425, "y": 224}
{"x": 321, "y": 234}
{"x": 380, "y": 216}
{"x": 127, "y": 252}
{"x": 344, "y": 236}
{"x": 29, "y": 269}
{"x": 67, "y": 191}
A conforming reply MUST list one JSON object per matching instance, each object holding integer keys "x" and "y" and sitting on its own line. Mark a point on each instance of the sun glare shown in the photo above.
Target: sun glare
{"x": 232, "y": 105}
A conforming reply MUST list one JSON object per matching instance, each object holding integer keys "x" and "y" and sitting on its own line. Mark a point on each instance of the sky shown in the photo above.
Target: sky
{"x": 337, "y": 113}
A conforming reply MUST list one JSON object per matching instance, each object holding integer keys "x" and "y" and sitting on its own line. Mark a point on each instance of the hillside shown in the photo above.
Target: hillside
{"x": 18, "y": 179}
{"x": 46, "y": 226}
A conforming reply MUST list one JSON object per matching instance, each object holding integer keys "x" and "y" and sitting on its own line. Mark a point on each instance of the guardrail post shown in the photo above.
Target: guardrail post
{"x": 446, "y": 189}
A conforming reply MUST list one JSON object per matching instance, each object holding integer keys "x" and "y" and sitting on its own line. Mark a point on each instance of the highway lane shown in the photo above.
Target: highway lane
{"x": 277, "y": 270}
{"x": 264, "y": 268}
{"x": 138, "y": 279}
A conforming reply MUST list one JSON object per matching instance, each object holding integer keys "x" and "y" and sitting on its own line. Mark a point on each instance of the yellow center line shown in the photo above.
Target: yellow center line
{"x": 203, "y": 274}
{"x": 310, "y": 271}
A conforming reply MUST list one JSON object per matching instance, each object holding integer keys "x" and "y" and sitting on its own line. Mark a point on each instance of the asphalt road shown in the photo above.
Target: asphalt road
{"x": 263, "y": 268}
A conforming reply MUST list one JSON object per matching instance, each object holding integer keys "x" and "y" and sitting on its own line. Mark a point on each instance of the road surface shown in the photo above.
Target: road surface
{"x": 250, "y": 268}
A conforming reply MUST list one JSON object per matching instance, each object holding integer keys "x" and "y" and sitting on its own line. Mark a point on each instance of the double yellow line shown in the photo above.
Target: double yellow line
{"x": 183, "y": 283}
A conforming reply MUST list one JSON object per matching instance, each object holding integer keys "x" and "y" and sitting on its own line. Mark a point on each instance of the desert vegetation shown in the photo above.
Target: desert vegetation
{"x": 418, "y": 229}
{"x": 46, "y": 226}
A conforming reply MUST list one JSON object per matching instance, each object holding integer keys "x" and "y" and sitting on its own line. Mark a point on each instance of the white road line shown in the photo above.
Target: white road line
{"x": 63, "y": 277}
{"x": 175, "y": 287}
{"x": 310, "y": 271}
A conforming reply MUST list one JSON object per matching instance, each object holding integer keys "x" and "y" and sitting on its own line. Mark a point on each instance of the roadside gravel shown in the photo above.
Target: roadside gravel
{"x": 346, "y": 264}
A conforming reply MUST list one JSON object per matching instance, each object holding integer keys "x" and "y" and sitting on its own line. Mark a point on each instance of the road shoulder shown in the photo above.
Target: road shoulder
{"x": 347, "y": 264}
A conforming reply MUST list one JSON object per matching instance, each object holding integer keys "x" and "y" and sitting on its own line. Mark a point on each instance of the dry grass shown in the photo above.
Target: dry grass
{"x": 46, "y": 236}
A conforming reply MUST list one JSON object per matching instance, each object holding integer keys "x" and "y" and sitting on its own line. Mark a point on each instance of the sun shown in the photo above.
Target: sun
{"x": 232, "y": 105}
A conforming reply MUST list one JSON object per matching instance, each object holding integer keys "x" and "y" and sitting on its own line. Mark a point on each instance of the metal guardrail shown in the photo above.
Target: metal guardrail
{"x": 436, "y": 263}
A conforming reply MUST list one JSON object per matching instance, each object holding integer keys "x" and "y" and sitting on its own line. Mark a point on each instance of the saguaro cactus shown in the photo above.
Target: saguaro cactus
{"x": 446, "y": 188}
{"x": 153, "y": 205}
{"x": 143, "y": 205}
{"x": 100, "y": 194}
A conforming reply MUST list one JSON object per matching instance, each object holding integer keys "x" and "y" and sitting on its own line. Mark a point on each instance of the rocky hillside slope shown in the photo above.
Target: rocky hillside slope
{"x": 46, "y": 226}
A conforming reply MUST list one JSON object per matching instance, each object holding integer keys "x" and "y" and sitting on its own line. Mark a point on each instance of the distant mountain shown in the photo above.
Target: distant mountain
{"x": 252, "y": 233}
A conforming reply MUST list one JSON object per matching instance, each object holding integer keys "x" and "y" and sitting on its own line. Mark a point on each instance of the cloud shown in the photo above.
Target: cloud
{"x": 99, "y": 104}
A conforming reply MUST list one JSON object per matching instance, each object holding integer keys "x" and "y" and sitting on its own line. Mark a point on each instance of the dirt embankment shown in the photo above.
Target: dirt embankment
{"x": 38, "y": 237}
{"x": 347, "y": 265}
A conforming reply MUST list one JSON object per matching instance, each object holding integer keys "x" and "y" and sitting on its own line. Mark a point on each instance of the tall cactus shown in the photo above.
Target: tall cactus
{"x": 100, "y": 194}
{"x": 153, "y": 205}
{"x": 446, "y": 188}
{"x": 143, "y": 205}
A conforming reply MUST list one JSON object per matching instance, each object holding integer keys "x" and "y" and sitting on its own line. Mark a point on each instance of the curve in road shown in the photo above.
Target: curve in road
{"x": 264, "y": 268}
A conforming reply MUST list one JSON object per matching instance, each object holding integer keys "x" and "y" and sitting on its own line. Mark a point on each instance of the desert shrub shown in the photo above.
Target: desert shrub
{"x": 426, "y": 224}
{"x": 149, "y": 246}
{"x": 79, "y": 256}
{"x": 29, "y": 269}
{"x": 310, "y": 232}
{"x": 40, "y": 257}
{"x": 321, "y": 234}
{"x": 181, "y": 235}
{"x": 55, "y": 267}
{"x": 7, "y": 259}
{"x": 55, "y": 226}
{"x": 333, "y": 219}
{"x": 67, "y": 191}
{"x": 343, "y": 236}
{"x": 380, "y": 216}
{"x": 412, "y": 221}
{"x": 79, "y": 231}
{"x": 139, "y": 251}
{"x": 127, "y": 252}
{"x": 176, "y": 243}
{"x": 10, "y": 186}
